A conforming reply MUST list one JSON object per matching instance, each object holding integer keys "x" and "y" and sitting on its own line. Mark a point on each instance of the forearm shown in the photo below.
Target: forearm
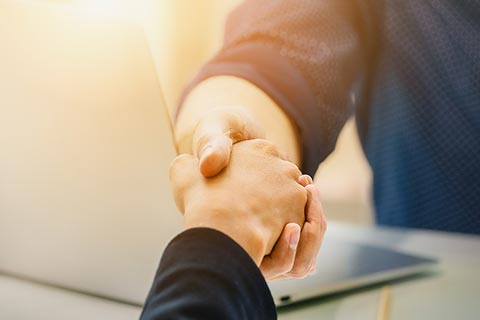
{"x": 233, "y": 91}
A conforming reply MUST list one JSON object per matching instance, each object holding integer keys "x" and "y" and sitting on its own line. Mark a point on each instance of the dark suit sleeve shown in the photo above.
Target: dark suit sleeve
{"x": 204, "y": 274}
{"x": 306, "y": 55}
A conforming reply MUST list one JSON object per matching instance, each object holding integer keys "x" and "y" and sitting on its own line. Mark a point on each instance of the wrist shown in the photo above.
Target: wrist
{"x": 238, "y": 227}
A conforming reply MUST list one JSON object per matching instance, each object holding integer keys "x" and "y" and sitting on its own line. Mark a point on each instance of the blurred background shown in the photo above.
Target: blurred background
{"x": 182, "y": 35}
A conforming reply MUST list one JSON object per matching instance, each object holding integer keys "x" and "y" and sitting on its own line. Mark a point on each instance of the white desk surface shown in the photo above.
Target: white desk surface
{"x": 451, "y": 293}
{"x": 23, "y": 300}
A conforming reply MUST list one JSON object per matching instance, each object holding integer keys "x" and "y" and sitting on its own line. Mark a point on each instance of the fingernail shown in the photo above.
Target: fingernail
{"x": 310, "y": 181}
{"x": 295, "y": 238}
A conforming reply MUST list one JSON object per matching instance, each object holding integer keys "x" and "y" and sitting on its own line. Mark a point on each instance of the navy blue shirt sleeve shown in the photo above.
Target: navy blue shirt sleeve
{"x": 204, "y": 274}
{"x": 306, "y": 55}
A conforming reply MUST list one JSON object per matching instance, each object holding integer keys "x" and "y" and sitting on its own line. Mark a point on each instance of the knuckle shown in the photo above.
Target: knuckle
{"x": 283, "y": 268}
{"x": 299, "y": 272}
{"x": 300, "y": 194}
{"x": 292, "y": 170}
{"x": 303, "y": 180}
{"x": 266, "y": 146}
{"x": 307, "y": 178}
{"x": 295, "y": 172}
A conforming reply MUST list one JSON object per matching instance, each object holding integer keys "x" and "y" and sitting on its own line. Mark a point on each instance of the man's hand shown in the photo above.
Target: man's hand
{"x": 251, "y": 200}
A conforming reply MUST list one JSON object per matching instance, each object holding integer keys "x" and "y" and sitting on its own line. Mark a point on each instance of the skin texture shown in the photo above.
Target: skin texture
{"x": 251, "y": 200}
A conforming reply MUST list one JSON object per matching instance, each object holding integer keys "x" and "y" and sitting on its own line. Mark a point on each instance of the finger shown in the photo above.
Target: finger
{"x": 182, "y": 168}
{"x": 280, "y": 277}
{"x": 282, "y": 257}
{"x": 311, "y": 236}
{"x": 314, "y": 210}
{"x": 212, "y": 145}
{"x": 285, "y": 276}
{"x": 217, "y": 132}
{"x": 215, "y": 155}
{"x": 305, "y": 180}
{"x": 182, "y": 172}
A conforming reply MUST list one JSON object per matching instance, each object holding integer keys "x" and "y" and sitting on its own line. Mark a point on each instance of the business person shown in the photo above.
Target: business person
{"x": 233, "y": 223}
{"x": 409, "y": 70}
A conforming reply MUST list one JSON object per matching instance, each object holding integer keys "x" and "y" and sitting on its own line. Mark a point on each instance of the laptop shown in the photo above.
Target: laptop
{"x": 343, "y": 266}
{"x": 85, "y": 145}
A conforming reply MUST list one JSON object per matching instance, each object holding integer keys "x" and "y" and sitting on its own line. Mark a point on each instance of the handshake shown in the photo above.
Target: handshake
{"x": 242, "y": 185}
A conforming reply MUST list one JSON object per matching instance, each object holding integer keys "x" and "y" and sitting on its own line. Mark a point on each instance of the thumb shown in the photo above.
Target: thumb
{"x": 217, "y": 132}
{"x": 215, "y": 155}
{"x": 282, "y": 258}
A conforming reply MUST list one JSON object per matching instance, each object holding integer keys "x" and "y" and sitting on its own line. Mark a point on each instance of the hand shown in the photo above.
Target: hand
{"x": 213, "y": 138}
{"x": 288, "y": 260}
{"x": 215, "y": 134}
{"x": 251, "y": 200}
